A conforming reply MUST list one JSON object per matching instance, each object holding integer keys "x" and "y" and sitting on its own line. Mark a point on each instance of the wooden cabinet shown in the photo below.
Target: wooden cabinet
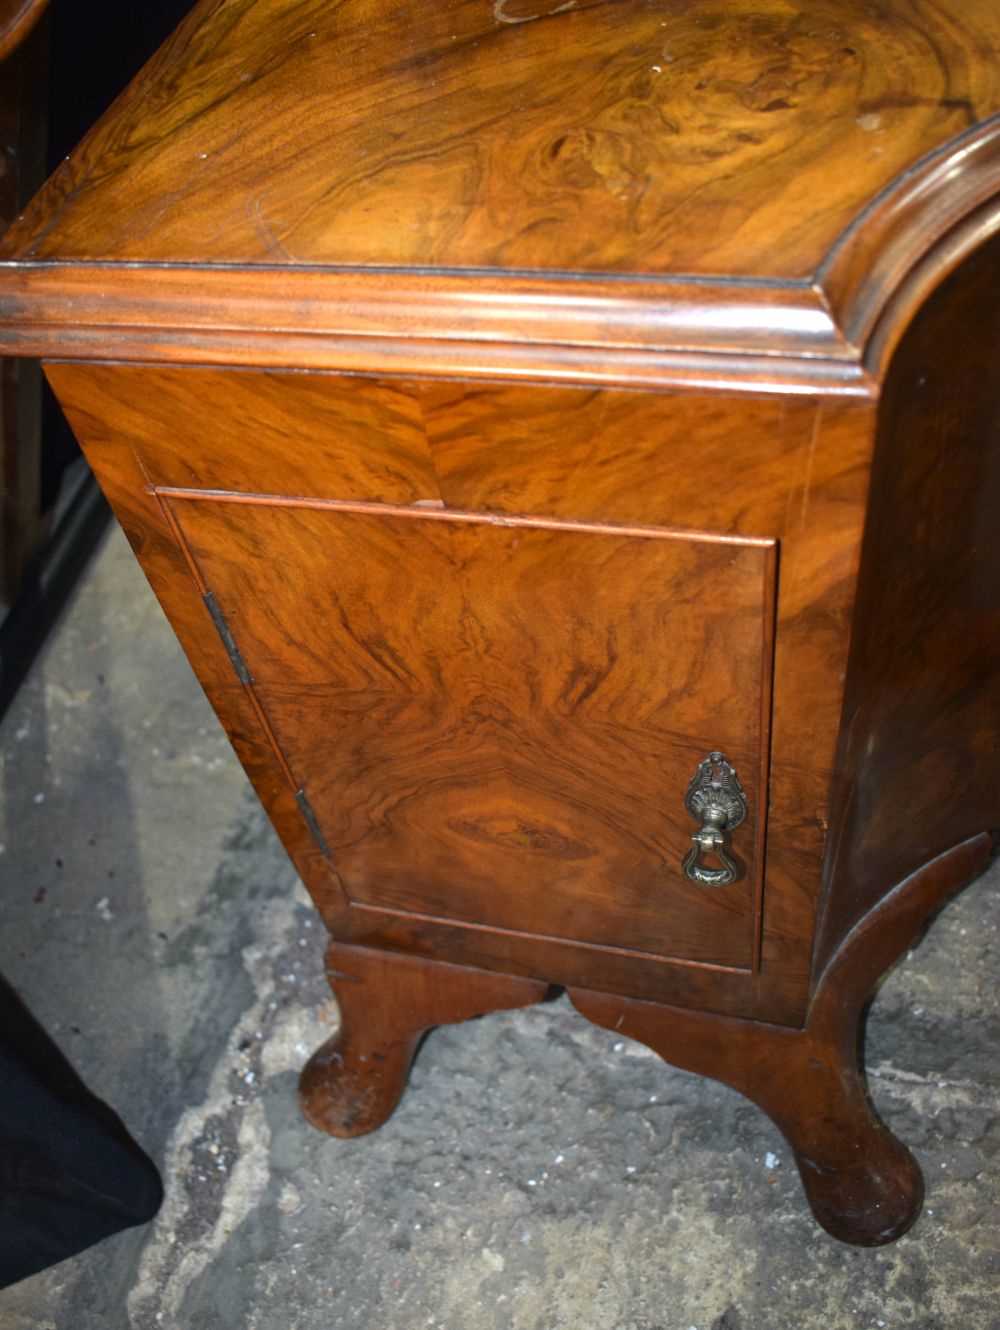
{"x": 564, "y": 442}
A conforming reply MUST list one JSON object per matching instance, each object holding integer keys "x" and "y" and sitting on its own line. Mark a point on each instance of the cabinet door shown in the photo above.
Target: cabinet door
{"x": 495, "y": 720}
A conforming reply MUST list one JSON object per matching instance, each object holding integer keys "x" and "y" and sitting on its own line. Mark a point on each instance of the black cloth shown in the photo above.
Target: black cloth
{"x": 70, "y": 1174}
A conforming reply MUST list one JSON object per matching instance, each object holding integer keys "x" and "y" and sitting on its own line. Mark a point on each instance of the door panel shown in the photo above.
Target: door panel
{"x": 496, "y": 720}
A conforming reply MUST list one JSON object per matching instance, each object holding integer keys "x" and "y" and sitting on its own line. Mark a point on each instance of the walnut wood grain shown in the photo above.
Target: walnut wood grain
{"x": 793, "y": 471}
{"x": 320, "y": 435}
{"x": 352, "y": 1084}
{"x": 798, "y": 475}
{"x": 775, "y": 214}
{"x": 497, "y": 721}
{"x": 652, "y": 334}
{"x": 602, "y": 137}
{"x": 99, "y": 401}
{"x": 862, "y": 1183}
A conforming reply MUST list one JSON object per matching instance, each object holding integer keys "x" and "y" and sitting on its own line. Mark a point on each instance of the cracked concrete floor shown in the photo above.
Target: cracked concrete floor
{"x": 540, "y": 1174}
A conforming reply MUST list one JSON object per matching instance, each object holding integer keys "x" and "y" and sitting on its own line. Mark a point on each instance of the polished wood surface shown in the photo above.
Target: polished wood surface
{"x": 275, "y": 214}
{"x": 519, "y": 704}
{"x": 607, "y": 136}
{"x": 648, "y": 334}
{"x": 798, "y": 477}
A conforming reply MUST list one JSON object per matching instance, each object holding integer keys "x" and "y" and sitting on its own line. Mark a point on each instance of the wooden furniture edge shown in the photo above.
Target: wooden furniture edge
{"x": 902, "y": 227}
{"x": 386, "y": 358}
{"x": 832, "y": 336}
{"x": 757, "y": 337}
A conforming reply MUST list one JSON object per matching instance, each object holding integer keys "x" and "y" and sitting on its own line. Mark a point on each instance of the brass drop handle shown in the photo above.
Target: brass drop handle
{"x": 714, "y": 798}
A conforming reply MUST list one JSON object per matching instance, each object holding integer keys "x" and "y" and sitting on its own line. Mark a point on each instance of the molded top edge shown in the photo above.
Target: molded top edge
{"x": 131, "y": 236}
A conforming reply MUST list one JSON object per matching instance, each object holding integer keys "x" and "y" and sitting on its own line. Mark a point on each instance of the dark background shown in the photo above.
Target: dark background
{"x": 63, "y": 76}
{"x": 94, "y": 52}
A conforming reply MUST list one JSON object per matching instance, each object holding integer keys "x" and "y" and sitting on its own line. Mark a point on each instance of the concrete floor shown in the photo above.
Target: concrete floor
{"x": 539, "y": 1175}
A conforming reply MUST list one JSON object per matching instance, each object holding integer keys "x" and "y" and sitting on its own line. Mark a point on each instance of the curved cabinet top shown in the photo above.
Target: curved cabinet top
{"x": 753, "y": 177}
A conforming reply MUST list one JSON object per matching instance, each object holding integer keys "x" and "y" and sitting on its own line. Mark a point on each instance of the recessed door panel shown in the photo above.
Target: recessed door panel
{"x": 496, "y": 720}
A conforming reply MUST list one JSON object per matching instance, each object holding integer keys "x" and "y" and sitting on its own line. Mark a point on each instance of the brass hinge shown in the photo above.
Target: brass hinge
{"x": 306, "y": 809}
{"x": 232, "y": 650}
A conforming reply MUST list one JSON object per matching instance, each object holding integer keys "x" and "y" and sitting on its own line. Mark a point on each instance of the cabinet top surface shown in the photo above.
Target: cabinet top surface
{"x": 733, "y": 138}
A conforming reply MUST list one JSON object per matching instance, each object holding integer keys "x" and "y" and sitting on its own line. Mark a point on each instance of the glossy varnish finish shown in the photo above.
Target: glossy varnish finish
{"x": 526, "y": 401}
{"x": 610, "y": 136}
{"x": 627, "y": 459}
{"x": 649, "y": 186}
{"x": 497, "y": 722}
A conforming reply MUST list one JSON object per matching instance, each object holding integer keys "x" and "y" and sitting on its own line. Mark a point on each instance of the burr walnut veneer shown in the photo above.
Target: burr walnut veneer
{"x": 566, "y": 441}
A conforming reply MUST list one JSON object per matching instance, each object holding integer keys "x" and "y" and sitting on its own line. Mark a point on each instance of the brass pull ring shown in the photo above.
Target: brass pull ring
{"x": 714, "y": 798}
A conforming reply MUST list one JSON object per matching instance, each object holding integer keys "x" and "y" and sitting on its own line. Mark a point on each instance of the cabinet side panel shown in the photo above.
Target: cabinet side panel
{"x": 919, "y": 764}
{"x": 145, "y": 523}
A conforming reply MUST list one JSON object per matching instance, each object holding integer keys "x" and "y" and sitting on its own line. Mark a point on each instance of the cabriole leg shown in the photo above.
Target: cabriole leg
{"x": 863, "y": 1184}
{"x": 387, "y": 1001}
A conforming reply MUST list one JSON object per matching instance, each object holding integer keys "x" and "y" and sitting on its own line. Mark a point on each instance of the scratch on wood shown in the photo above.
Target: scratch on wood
{"x": 501, "y": 15}
{"x": 264, "y": 231}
